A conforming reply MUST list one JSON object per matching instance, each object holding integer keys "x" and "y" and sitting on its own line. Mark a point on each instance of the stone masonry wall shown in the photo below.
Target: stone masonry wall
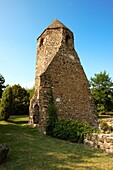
{"x": 70, "y": 88}
{"x": 101, "y": 141}
{"x": 58, "y": 69}
{"x": 46, "y": 52}
{"x": 45, "y": 95}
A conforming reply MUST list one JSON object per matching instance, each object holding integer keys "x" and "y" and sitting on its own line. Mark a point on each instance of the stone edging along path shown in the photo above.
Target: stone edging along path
{"x": 101, "y": 141}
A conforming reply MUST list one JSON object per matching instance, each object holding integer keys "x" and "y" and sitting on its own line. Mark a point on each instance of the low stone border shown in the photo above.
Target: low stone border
{"x": 3, "y": 152}
{"x": 101, "y": 141}
{"x": 109, "y": 121}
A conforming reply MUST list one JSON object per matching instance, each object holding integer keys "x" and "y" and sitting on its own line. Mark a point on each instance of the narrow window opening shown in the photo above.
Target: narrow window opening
{"x": 41, "y": 42}
{"x": 36, "y": 114}
{"x": 67, "y": 38}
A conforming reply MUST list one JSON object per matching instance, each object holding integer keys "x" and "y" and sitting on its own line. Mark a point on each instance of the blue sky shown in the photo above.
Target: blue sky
{"x": 22, "y": 21}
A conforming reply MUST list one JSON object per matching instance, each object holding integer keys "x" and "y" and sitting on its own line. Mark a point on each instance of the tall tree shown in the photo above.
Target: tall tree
{"x": 20, "y": 100}
{"x": 6, "y": 103}
{"x": 2, "y": 86}
{"x": 15, "y": 101}
{"x": 31, "y": 92}
{"x": 102, "y": 91}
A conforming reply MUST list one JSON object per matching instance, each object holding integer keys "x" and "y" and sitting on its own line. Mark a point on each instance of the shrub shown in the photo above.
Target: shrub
{"x": 31, "y": 92}
{"x": 105, "y": 126}
{"x": 52, "y": 120}
{"x": 52, "y": 115}
{"x": 20, "y": 100}
{"x": 73, "y": 131}
{"x": 6, "y": 104}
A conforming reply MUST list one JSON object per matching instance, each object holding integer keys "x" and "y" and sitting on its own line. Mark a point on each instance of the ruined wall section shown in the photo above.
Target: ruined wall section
{"x": 48, "y": 45}
{"x": 44, "y": 101}
{"x": 58, "y": 69}
{"x": 71, "y": 88}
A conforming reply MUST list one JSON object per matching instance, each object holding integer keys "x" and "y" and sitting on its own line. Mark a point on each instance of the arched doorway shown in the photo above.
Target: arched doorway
{"x": 36, "y": 114}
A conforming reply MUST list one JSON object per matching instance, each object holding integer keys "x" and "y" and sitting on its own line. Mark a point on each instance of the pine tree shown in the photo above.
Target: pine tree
{"x": 102, "y": 91}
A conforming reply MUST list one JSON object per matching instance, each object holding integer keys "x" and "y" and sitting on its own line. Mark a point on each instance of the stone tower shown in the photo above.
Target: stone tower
{"x": 60, "y": 73}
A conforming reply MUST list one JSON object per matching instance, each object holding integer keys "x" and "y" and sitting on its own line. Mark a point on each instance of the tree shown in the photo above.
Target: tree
{"x": 6, "y": 103}
{"x": 2, "y": 86}
{"x": 102, "y": 91}
{"x": 31, "y": 92}
{"x": 15, "y": 101}
{"x": 20, "y": 100}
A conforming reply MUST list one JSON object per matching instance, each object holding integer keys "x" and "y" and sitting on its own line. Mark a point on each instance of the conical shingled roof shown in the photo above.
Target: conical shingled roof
{"x": 56, "y": 24}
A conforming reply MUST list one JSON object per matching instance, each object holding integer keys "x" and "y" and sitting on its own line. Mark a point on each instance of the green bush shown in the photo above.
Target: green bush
{"x": 52, "y": 120}
{"x": 52, "y": 115}
{"x": 73, "y": 131}
{"x": 31, "y": 92}
{"x": 6, "y": 104}
{"x": 105, "y": 126}
{"x": 20, "y": 100}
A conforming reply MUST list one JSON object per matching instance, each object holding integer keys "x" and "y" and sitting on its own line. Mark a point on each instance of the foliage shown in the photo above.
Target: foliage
{"x": 52, "y": 120}
{"x": 102, "y": 92}
{"x": 6, "y": 104}
{"x": 104, "y": 126}
{"x": 2, "y": 86}
{"x": 20, "y": 100}
{"x": 15, "y": 101}
{"x": 31, "y": 150}
{"x": 52, "y": 115}
{"x": 73, "y": 131}
{"x": 31, "y": 92}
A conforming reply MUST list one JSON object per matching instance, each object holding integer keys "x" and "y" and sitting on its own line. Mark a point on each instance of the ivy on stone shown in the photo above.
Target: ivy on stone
{"x": 52, "y": 115}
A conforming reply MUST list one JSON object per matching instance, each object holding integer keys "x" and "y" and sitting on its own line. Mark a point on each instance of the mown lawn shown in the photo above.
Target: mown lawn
{"x": 30, "y": 150}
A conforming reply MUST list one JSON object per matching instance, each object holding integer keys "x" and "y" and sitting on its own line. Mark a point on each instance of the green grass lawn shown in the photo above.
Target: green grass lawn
{"x": 30, "y": 150}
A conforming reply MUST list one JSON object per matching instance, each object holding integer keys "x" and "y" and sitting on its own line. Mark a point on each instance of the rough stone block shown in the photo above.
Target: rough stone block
{"x": 109, "y": 139}
{"x": 111, "y": 146}
{"x": 109, "y": 151}
{"x": 86, "y": 142}
{"x": 99, "y": 143}
{"x": 3, "y": 152}
{"x": 106, "y": 145}
{"x": 91, "y": 143}
{"x": 100, "y": 138}
{"x": 102, "y": 147}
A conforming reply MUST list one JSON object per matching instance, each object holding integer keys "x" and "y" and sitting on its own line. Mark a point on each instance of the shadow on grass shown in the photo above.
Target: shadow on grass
{"x": 104, "y": 116}
{"x": 18, "y": 122}
{"x": 28, "y": 149}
